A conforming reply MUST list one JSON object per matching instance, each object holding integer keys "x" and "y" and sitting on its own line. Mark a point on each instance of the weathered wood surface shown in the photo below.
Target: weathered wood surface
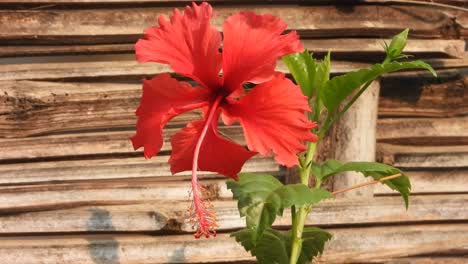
{"x": 159, "y": 215}
{"x": 425, "y": 260}
{"x": 105, "y": 168}
{"x": 94, "y": 143}
{"x": 423, "y": 156}
{"x": 349, "y": 48}
{"x": 448, "y": 2}
{"x": 126, "y": 166}
{"x": 423, "y": 131}
{"x": 433, "y": 181}
{"x": 46, "y": 195}
{"x": 424, "y": 96}
{"x": 356, "y": 131}
{"x": 32, "y": 108}
{"x": 125, "y": 25}
{"x": 347, "y": 245}
{"x": 399, "y": 131}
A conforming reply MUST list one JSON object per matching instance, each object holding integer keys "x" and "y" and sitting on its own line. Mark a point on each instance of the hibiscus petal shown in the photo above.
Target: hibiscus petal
{"x": 273, "y": 118}
{"x": 163, "y": 98}
{"x": 188, "y": 43}
{"x": 252, "y": 44}
{"x": 216, "y": 153}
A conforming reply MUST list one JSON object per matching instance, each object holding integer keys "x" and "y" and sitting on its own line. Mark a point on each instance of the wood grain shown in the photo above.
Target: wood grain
{"x": 342, "y": 47}
{"x": 354, "y": 132}
{"x": 446, "y": 181}
{"x": 347, "y": 246}
{"x": 159, "y": 215}
{"x": 423, "y": 156}
{"x": 104, "y": 168}
{"x": 424, "y": 96}
{"x": 125, "y": 25}
{"x": 423, "y": 131}
{"x": 34, "y": 108}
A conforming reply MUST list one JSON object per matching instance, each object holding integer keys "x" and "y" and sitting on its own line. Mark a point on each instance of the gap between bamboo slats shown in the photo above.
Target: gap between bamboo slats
{"x": 343, "y": 48}
{"x": 161, "y": 216}
{"x": 347, "y": 245}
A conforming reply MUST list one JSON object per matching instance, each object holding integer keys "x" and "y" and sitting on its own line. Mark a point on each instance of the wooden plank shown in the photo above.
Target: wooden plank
{"x": 159, "y": 215}
{"x": 450, "y": 2}
{"x": 347, "y": 245}
{"x": 423, "y": 95}
{"x": 355, "y": 132}
{"x": 32, "y": 108}
{"x": 426, "y": 260}
{"x": 423, "y": 131}
{"x": 124, "y": 25}
{"x": 105, "y": 168}
{"x": 434, "y": 181}
{"x": 38, "y": 107}
{"x": 402, "y": 131}
{"x": 95, "y": 143}
{"x": 130, "y": 70}
{"x": 423, "y": 156}
{"x": 342, "y": 47}
{"x": 40, "y": 197}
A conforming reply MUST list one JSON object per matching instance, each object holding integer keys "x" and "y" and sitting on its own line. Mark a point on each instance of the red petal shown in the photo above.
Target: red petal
{"x": 252, "y": 44}
{"x": 273, "y": 118}
{"x": 188, "y": 43}
{"x": 216, "y": 154}
{"x": 163, "y": 98}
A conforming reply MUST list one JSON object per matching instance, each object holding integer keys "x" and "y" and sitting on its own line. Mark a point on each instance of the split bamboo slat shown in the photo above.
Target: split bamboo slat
{"x": 73, "y": 190}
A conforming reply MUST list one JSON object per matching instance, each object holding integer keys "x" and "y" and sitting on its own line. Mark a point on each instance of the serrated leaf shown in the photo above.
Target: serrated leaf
{"x": 274, "y": 247}
{"x": 313, "y": 243}
{"x": 370, "y": 169}
{"x": 378, "y": 171}
{"x": 397, "y": 45}
{"x": 262, "y": 197}
{"x": 339, "y": 88}
{"x": 271, "y": 248}
{"x": 302, "y": 67}
{"x": 323, "y": 73}
{"x": 322, "y": 170}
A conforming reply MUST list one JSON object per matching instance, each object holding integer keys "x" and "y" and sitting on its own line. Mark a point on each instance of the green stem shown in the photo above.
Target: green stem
{"x": 330, "y": 120}
{"x": 300, "y": 215}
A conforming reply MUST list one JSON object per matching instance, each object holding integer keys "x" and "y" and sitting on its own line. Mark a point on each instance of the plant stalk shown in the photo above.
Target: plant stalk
{"x": 299, "y": 216}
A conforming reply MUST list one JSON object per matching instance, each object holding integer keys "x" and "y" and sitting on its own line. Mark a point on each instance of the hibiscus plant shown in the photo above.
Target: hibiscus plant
{"x": 278, "y": 117}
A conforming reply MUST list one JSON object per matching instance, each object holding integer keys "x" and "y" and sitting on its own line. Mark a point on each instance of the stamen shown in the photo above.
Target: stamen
{"x": 202, "y": 216}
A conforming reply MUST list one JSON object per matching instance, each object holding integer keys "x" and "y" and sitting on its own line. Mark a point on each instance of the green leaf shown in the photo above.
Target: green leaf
{"x": 274, "y": 247}
{"x": 340, "y": 87}
{"x": 271, "y": 248}
{"x": 369, "y": 169}
{"x": 323, "y": 73}
{"x": 262, "y": 197}
{"x": 397, "y": 45}
{"x": 302, "y": 67}
{"x": 322, "y": 170}
{"x": 378, "y": 171}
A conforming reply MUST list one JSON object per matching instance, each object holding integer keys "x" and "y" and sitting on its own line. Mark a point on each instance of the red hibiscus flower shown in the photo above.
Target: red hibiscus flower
{"x": 272, "y": 114}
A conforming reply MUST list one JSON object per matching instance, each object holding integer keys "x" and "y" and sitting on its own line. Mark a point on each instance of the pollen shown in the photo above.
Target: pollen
{"x": 202, "y": 215}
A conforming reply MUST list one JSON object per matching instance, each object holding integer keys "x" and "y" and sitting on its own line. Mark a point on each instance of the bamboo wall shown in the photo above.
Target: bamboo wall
{"x": 72, "y": 190}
